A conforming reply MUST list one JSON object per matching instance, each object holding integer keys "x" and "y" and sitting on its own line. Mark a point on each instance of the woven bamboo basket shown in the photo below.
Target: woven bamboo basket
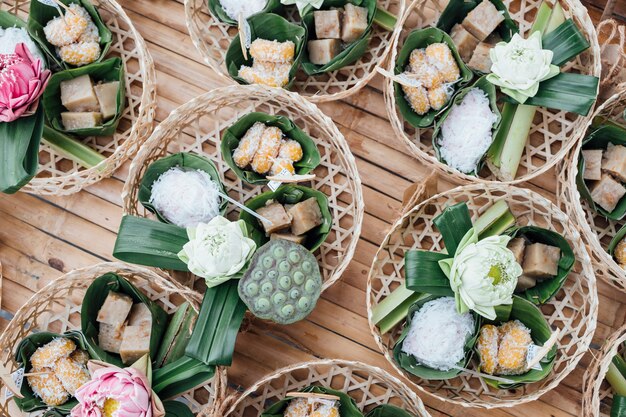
{"x": 367, "y": 385}
{"x": 551, "y": 135}
{"x": 58, "y": 175}
{"x": 573, "y": 310}
{"x": 56, "y": 308}
{"x": 597, "y": 394}
{"x": 197, "y": 126}
{"x": 212, "y": 38}
{"x": 597, "y": 231}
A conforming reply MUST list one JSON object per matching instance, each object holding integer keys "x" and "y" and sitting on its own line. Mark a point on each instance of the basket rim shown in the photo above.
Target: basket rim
{"x": 577, "y": 9}
{"x": 586, "y": 271}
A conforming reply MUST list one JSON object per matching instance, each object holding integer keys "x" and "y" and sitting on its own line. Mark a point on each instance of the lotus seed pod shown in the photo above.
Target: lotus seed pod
{"x": 282, "y": 283}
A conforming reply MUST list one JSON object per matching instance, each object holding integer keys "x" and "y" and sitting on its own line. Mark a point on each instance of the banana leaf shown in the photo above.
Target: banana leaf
{"x": 352, "y": 51}
{"x": 180, "y": 376}
{"x": 24, "y": 351}
{"x": 526, "y": 312}
{"x": 93, "y": 301}
{"x": 388, "y": 410}
{"x": 177, "y": 335}
{"x": 177, "y": 409}
{"x": 423, "y": 273}
{"x": 600, "y": 138}
{"x": 40, "y": 14}
{"x": 618, "y": 408}
{"x": 213, "y": 339}
{"x": 149, "y": 242}
{"x": 347, "y": 405}
{"x": 267, "y": 26}
{"x": 290, "y": 194}
{"x": 457, "y": 10}
{"x": 185, "y": 160}
{"x": 411, "y": 365}
{"x": 19, "y": 151}
{"x": 110, "y": 70}
{"x": 215, "y": 6}
{"x": 619, "y": 236}
{"x": 490, "y": 90}
{"x": 567, "y": 91}
{"x": 546, "y": 289}
{"x": 72, "y": 148}
{"x": 566, "y": 42}
{"x": 416, "y": 40}
{"x": 231, "y": 137}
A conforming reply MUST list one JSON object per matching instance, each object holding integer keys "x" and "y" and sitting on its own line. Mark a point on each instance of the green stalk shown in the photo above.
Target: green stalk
{"x": 491, "y": 216}
{"x": 384, "y": 19}
{"x": 542, "y": 19}
{"x": 616, "y": 379}
{"x": 495, "y": 150}
{"x": 71, "y": 148}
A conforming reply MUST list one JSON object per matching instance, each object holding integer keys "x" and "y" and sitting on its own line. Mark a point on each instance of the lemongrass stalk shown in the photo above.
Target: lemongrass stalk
{"x": 385, "y": 19}
{"x": 71, "y": 148}
{"x": 506, "y": 118}
{"x": 616, "y": 379}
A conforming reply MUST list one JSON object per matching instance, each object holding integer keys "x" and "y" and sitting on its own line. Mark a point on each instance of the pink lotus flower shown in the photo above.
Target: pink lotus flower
{"x": 22, "y": 81}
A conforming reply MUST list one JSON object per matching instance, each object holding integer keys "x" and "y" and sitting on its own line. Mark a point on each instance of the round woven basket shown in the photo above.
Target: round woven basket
{"x": 212, "y": 38}
{"x": 58, "y": 175}
{"x": 551, "y": 135}
{"x": 197, "y": 127}
{"x": 597, "y": 394}
{"x": 573, "y": 310}
{"x": 367, "y": 385}
{"x": 56, "y": 308}
{"x": 597, "y": 231}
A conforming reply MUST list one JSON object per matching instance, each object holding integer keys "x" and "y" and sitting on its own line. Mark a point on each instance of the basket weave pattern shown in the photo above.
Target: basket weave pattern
{"x": 59, "y": 175}
{"x": 212, "y": 38}
{"x": 197, "y": 127}
{"x": 551, "y": 135}
{"x": 573, "y": 310}
{"x": 57, "y": 307}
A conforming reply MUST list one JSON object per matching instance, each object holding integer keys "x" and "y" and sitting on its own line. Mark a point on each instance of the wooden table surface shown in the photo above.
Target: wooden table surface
{"x": 42, "y": 237}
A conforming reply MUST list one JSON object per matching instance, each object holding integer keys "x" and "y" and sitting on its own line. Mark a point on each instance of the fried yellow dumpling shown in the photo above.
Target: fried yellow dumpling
{"x": 47, "y": 386}
{"x": 417, "y": 98}
{"x": 514, "y": 341}
{"x": 71, "y": 374}
{"x": 440, "y": 55}
{"x": 47, "y": 355}
{"x": 487, "y": 346}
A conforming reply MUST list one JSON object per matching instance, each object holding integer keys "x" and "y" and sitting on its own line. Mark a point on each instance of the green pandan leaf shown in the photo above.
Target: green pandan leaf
{"x": 566, "y": 42}
{"x": 180, "y": 376}
{"x": 423, "y": 273}
{"x": 453, "y": 224}
{"x": 177, "y": 409}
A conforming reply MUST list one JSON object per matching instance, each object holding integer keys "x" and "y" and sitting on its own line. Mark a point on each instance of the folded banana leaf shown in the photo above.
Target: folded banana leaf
{"x": 540, "y": 331}
{"x": 347, "y": 405}
{"x": 19, "y": 151}
{"x": 289, "y": 194}
{"x": 388, "y": 410}
{"x": 490, "y": 90}
{"x": 177, "y": 335}
{"x": 148, "y": 242}
{"x": 40, "y": 14}
{"x": 416, "y": 40}
{"x": 600, "y": 138}
{"x": 410, "y": 364}
{"x": 93, "y": 301}
{"x": 353, "y": 51}
{"x": 619, "y": 236}
{"x": 188, "y": 161}
{"x": 231, "y": 137}
{"x": 215, "y": 6}
{"x": 618, "y": 409}
{"x": 180, "y": 376}
{"x": 177, "y": 409}
{"x": 110, "y": 70}
{"x": 267, "y": 26}
{"x": 457, "y": 10}
{"x": 566, "y": 42}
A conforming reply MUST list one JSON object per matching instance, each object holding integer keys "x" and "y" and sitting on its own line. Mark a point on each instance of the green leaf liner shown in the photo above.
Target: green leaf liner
{"x": 416, "y": 40}
{"x": 289, "y": 194}
{"x": 213, "y": 339}
{"x": 490, "y": 90}
{"x": 600, "y": 138}
{"x": 176, "y": 409}
{"x": 526, "y": 312}
{"x": 180, "y": 376}
{"x": 185, "y": 160}
{"x": 217, "y": 10}
{"x": 24, "y": 351}
{"x": 94, "y": 298}
{"x": 388, "y": 410}
{"x": 567, "y": 91}
{"x": 545, "y": 290}
{"x": 410, "y": 364}
{"x": 347, "y": 405}
{"x": 231, "y": 137}
{"x": 148, "y": 242}
{"x": 566, "y": 42}
{"x": 619, "y": 236}
{"x": 618, "y": 408}
{"x": 456, "y": 11}
{"x": 271, "y": 27}
{"x": 110, "y": 70}
{"x": 19, "y": 151}
{"x": 40, "y": 15}
{"x": 353, "y": 51}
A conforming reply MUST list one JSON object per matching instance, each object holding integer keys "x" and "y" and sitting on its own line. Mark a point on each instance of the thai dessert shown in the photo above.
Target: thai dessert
{"x": 290, "y": 221}
{"x": 265, "y": 150}
{"x": 312, "y": 407}
{"x": 438, "y": 333}
{"x": 539, "y": 262}
{"x": 242, "y": 8}
{"x": 75, "y": 36}
{"x": 124, "y": 328}
{"x": 466, "y": 132}
{"x": 88, "y": 104}
{"x": 10, "y": 37}
{"x": 186, "y": 197}
{"x": 58, "y": 370}
{"x": 271, "y": 63}
{"x": 503, "y": 349}
{"x": 605, "y": 173}
{"x": 620, "y": 253}
{"x": 435, "y": 69}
